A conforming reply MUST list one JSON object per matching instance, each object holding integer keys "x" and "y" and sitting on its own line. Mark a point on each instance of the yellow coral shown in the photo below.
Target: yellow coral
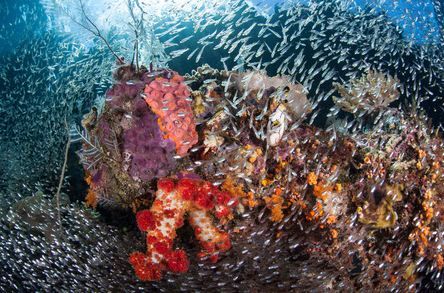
{"x": 274, "y": 203}
{"x": 91, "y": 197}
{"x": 257, "y": 152}
{"x": 312, "y": 179}
{"x": 427, "y": 204}
{"x": 320, "y": 191}
{"x": 252, "y": 202}
{"x": 331, "y": 219}
{"x": 265, "y": 182}
{"x": 230, "y": 186}
{"x": 419, "y": 165}
{"x": 338, "y": 187}
{"x": 88, "y": 180}
{"x": 316, "y": 213}
{"x": 420, "y": 235}
{"x": 428, "y": 211}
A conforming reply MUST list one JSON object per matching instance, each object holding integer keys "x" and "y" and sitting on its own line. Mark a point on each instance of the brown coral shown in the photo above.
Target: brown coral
{"x": 368, "y": 93}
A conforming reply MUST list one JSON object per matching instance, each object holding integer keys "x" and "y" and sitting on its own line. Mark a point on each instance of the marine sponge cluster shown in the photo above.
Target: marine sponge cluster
{"x": 123, "y": 148}
{"x": 193, "y": 197}
{"x": 168, "y": 97}
{"x": 149, "y": 154}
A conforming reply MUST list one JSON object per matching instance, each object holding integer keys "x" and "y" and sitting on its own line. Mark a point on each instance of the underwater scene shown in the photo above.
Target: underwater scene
{"x": 221, "y": 146}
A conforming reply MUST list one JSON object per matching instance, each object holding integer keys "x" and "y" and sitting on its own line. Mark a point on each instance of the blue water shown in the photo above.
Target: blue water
{"x": 23, "y": 19}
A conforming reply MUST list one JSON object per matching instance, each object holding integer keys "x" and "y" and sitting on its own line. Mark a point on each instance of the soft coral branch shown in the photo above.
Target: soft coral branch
{"x": 189, "y": 196}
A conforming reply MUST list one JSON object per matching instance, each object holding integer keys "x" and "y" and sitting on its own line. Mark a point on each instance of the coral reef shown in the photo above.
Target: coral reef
{"x": 124, "y": 149}
{"x": 354, "y": 206}
{"x": 360, "y": 200}
{"x": 369, "y": 204}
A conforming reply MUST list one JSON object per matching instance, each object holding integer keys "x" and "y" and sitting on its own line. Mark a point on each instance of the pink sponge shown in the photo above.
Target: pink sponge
{"x": 169, "y": 99}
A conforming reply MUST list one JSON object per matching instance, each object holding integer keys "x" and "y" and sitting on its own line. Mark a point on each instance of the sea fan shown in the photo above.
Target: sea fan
{"x": 91, "y": 153}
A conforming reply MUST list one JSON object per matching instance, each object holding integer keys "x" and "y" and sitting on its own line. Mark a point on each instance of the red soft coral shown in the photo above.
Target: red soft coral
{"x": 144, "y": 268}
{"x": 187, "y": 188}
{"x": 204, "y": 200}
{"x": 162, "y": 248}
{"x": 166, "y": 185}
{"x": 173, "y": 201}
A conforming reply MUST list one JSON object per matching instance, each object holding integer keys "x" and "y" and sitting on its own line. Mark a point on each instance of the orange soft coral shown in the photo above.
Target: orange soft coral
{"x": 312, "y": 178}
{"x": 173, "y": 200}
{"x": 91, "y": 197}
{"x": 169, "y": 99}
{"x": 274, "y": 203}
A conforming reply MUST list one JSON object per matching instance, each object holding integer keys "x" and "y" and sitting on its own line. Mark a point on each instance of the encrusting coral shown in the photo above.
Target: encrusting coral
{"x": 125, "y": 147}
{"x": 334, "y": 186}
{"x": 169, "y": 99}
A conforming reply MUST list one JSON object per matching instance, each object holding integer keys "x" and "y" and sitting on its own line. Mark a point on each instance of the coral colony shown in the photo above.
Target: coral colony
{"x": 191, "y": 196}
{"x": 207, "y": 147}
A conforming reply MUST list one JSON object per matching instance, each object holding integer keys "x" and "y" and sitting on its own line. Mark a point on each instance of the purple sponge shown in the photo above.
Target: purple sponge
{"x": 150, "y": 155}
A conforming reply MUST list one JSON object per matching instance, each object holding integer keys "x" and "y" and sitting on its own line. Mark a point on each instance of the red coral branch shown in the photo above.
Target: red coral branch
{"x": 189, "y": 196}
